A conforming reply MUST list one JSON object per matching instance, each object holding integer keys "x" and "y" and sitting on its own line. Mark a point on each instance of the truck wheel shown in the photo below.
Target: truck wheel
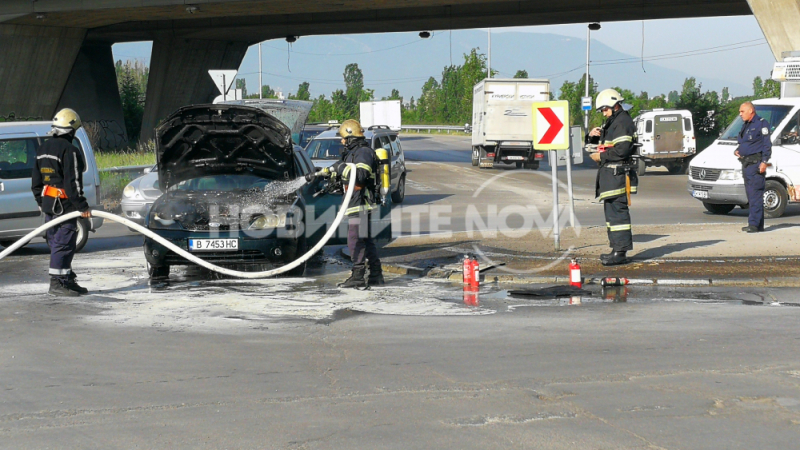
{"x": 775, "y": 199}
{"x": 676, "y": 168}
{"x": 476, "y": 156}
{"x": 641, "y": 167}
{"x": 716, "y": 208}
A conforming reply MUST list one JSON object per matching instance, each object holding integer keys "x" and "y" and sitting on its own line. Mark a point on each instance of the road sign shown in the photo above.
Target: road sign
{"x": 549, "y": 129}
{"x": 223, "y": 79}
{"x": 586, "y": 103}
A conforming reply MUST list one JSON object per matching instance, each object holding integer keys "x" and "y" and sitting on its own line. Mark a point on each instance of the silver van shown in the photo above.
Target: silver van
{"x": 19, "y": 213}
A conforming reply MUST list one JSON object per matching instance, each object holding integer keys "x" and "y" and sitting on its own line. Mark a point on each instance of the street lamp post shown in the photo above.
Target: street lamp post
{"x": 489, "y": 62}
{"x": 592, "y": 27}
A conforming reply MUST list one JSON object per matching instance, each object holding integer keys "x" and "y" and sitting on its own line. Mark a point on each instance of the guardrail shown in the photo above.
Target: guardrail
{"x": 464, "y": 129}
{"x": 139, "y": 170}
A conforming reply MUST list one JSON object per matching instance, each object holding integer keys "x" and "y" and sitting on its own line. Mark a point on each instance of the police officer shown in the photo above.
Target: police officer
{"x": 615, "y": 144}
{"x": 754, "y": 151}
{"x": 57, "y": 184}
{"x": 362, "y": 247}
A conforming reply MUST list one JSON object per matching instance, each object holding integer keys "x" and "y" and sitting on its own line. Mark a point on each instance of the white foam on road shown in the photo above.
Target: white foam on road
{"x": 117, "y": 281}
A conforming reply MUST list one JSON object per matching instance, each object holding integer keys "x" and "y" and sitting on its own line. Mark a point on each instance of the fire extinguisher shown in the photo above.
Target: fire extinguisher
{"x": 575, "y": 274}
{"x": 476, "y": 272}
{"x": 468, "y": 273}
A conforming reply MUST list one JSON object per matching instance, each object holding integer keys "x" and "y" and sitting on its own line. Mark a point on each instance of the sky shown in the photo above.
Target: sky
{"x": 729, "y": 50}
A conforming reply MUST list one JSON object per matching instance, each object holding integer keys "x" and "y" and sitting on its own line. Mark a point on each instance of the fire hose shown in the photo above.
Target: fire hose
{"x": 192, "y": 258}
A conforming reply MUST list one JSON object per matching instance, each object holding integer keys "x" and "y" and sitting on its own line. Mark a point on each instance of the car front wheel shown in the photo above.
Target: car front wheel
{"x": 157, "y": 272}
{"x": 716, "y": 208}
{"x": 775, "y": 199}
{"x": 400, "y": 194}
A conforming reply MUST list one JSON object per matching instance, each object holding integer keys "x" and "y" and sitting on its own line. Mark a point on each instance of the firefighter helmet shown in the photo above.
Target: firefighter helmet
{"x": 351, "y": 128}
{"x": 66, "y": 121}
{"x": 607, "y": 98}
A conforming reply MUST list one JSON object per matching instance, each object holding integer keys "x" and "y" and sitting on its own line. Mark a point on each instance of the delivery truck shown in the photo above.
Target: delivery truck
{"x": 502, "y": 123}
{"x": 386, "y": 112}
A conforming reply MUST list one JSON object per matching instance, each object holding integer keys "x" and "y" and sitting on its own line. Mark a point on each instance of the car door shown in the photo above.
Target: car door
{"x": 786, "y": 156}
{"x": 398, "y": 163}
{"x": 19, "y": 212}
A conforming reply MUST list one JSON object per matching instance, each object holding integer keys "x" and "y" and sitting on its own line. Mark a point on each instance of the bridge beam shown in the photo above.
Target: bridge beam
{"x": 92, "y": 91}
{"x": 35, "y": 63}
{"x": 779, "y": 21}
{"x": 179, "y": 74}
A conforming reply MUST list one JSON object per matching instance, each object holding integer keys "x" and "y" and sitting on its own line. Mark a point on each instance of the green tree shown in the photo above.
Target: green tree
{"x": 132, "y": 106}
{"x": 573, "y": 92}
{"x": 766, "y": 89}
{"x": 303, "y": 92}
{"x": 241, "y": 83}
{"x": 267, "y": 92}
{"x": 521, "y": 74}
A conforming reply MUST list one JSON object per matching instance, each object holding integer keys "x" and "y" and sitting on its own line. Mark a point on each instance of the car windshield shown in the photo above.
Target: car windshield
{"x": 222, "y": 183}
{"x": 307, "y": 135}
{"x": 324, "y": 149}
{"x": 773, "y": 114}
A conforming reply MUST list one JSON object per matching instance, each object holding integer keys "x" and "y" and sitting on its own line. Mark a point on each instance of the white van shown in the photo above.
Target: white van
{"x": 19, "y": 213}
{"x": 666, "y": 138}
{"x": 715, "y": 175}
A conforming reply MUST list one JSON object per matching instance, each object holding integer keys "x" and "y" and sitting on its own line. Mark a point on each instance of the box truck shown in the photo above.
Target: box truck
{"x": 502, "y": 123}
{"x": 385, "y": 112}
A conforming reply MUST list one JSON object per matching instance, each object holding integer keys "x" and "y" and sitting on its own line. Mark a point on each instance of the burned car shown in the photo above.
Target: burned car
{"x": 235, "y": 192}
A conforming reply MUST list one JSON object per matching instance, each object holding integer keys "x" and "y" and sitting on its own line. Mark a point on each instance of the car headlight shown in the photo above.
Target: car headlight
{"x": 268, "y": 221}
{"x": 128, "y": 191}
{"x": 731, "y": 175}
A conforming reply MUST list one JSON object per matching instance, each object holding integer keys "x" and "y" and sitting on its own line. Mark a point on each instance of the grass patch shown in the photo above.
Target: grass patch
{"x": 142, "y": 154}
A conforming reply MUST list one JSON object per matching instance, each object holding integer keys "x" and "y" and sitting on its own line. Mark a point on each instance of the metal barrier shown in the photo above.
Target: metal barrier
{"x": 466, "y": 128}
{"x": 139, "y": 170}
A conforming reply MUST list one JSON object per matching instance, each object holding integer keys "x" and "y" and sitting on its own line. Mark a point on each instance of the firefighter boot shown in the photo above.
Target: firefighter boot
{"x": 375, "y": 276}
{"x": 606, "y": 256}
{"x": 72, "y": 284}
{"x": 59, "y": 288}
{"x": 616, "y": 258}
{"x": 356, "y": 279}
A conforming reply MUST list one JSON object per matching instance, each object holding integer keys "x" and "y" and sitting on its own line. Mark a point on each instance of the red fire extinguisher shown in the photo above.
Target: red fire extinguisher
{"x": 468, "y": 272}
{"x": 476, "y": 272}
{"x": 575, "y": 274}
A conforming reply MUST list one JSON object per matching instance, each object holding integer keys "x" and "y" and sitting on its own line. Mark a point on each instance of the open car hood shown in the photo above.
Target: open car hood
{"x": 203, "y": 140}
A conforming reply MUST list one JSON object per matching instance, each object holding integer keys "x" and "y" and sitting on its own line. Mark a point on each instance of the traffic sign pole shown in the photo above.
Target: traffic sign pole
{"x": 569, "y": 188}
{"x": 554, "y": 170}
{"x": 549, "y": 133}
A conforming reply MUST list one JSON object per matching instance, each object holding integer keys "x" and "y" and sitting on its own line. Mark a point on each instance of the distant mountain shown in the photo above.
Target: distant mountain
{"x": 320, "y": 60}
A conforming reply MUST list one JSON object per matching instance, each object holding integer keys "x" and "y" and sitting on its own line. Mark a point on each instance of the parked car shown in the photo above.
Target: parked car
{"x": 309, "y": 132}
{"x": 715, "y": 174}
{"x": 235, "y": 192}
{"x": 139, "y": 195}
{"x": 19, "y": 213}
{"x": 326, "y": 149}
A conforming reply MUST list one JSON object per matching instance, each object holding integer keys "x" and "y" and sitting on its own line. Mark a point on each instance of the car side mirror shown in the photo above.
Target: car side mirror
{"x": 777, "y": 141}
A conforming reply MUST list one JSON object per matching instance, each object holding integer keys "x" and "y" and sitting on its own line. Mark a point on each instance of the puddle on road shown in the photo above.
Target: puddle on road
{"x": 195, "y": 300}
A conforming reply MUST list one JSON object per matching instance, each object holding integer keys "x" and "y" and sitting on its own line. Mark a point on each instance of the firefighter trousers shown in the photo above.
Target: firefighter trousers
{"x": 361, "y": 245}
{"x": 62, "y": 239}
{"x": 618, "y": 223}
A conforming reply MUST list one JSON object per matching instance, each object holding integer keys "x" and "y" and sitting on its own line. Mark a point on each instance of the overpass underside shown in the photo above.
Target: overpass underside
{"x": 55, "y": 54}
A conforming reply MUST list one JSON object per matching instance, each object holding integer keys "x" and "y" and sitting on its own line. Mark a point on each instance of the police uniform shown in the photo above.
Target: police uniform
{"x": 57, "y": 185}
{"x": 617, "y": 135}
{"x": 755, "y": 147}
{"x": 363, "y": 201}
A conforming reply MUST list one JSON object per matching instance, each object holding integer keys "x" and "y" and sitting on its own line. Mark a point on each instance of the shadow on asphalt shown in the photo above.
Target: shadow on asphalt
{"x": 781, "y": 226}
{"x": 669, "y": 249}
{"x": 647, "y": 237}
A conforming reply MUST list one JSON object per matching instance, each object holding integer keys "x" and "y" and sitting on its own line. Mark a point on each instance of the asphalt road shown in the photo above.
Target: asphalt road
{"x": 201, "y": 362}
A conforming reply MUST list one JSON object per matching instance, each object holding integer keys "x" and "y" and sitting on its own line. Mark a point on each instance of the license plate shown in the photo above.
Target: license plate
{"x": 700, "y": 194}
{"x": 208, "y": 245}
{"x": 515, "y": 158}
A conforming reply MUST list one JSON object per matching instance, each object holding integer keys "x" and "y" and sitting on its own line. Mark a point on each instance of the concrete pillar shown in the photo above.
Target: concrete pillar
{"x": 92, "y": 91}
{"x": 179, "y": 74}
{"x": 779, "y": 21}
{"x": 35, "y": 63}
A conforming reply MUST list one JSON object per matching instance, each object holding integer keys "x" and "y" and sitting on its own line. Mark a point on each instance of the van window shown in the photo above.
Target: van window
{"x": 648, "y": 128}
{"x": 386, "y": 145}
{"x": 17, "y": 157}
{"x": 789, "y": 135}
{"x": 687, "y": 124}
{"x": 773, "y": 114}
{"x": 395, "y": 146}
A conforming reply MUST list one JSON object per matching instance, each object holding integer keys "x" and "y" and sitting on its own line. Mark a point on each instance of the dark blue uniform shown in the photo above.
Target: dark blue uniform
{"x": 755, "y": 147}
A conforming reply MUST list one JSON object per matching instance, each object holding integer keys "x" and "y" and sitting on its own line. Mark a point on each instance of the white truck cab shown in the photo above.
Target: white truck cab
{"x": 666, "y": 138}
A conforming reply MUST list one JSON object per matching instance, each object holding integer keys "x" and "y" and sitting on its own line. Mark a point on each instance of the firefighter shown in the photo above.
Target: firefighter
{"x": 754, "y": 151}
{"x": 359, "y": 240}
{"x": 616, "y": 179}
{"x": 57, "y": 185}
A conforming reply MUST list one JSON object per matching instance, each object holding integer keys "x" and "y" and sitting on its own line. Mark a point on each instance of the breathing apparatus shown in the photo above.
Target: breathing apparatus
{"x": 385, "y": 174}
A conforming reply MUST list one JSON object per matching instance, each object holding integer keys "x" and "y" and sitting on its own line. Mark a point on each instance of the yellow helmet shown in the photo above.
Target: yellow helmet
{"x": 66, "y": 120}
{"x": 608, "y": 98}
{"x": 351, "y": 128}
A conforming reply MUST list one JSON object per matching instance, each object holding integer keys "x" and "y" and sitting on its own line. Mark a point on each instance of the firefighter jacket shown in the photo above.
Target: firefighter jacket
{"x": 616, "y": 162}
{"x": 754, "y": 139}
{"x": 59, "y": 164}
{"x": 358, "y": 152}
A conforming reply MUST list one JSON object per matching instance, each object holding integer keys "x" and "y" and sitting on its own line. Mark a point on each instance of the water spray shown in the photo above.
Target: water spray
{"x": 192, "y": 258}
